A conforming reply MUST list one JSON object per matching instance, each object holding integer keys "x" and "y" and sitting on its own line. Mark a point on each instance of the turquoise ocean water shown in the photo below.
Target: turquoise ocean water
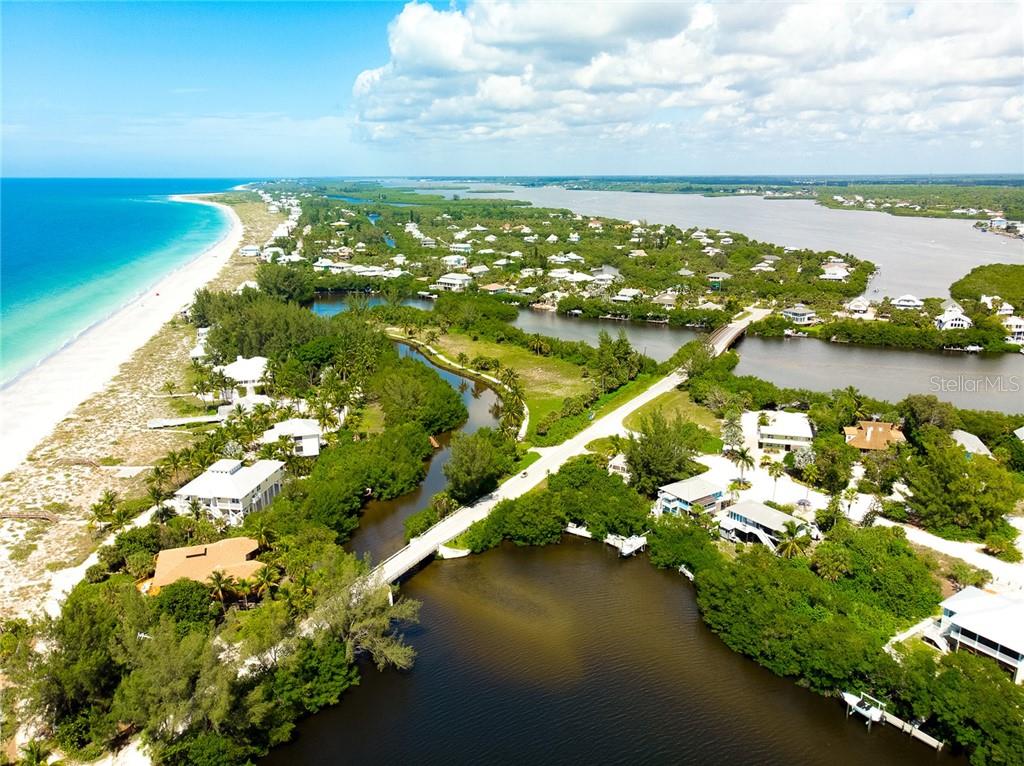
{"x": 73, "y": 251}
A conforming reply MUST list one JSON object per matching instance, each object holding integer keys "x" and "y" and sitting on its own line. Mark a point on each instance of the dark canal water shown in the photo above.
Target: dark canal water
{"x": 975, "y": 381}
{"x": 568, "y": 654}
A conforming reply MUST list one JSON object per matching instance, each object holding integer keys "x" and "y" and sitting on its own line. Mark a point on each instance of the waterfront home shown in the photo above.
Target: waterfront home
{"x": 494, "y": 289}
{"x": 949, "y": 303}
{"x": 800, "y": 314}
{"x": 249, "y": 251}
{"x": 667, "y": 299}
{"x": 996, "y": 304}
{"x": 454, "y": 283}
{"x": 228, "y": 490}
{"x": 987, "y": 624}
{"x": 628, "y": 295}
{"x": 460, "y": 247}
{"x": 972, "y": 444}
{"x": 784, "y": 431}
{"x": 951, "y": 319}
{"x": 835, "y": 271}
{"x": 233, "y": 556}
{"x": 858, "y": 305}
{"x": 454, "y": 261}
{"x": 1014, "y": 329}
{"x": 752, "y": 522}
{"x": 246, "y": 372}
{"x": 304, "y": 434}
{"x": 907, "y": 302}
{"x": 873, "y": 435}
{"x": 693, "y": 495}
{"x": 618, "y": 466}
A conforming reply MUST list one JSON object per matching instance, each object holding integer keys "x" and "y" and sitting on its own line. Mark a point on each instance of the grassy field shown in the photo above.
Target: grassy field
{"x": 676, "y": 403}
{"x": 547, "y": 381}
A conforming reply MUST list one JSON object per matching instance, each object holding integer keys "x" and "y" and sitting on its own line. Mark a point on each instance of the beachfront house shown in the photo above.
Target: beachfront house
{"x": 987, "y": 624}
{"x": 693, "y": 495}
{"x": 233, "y": 556}
{"x": 249, "y": 251}
{"x": 303, "y": 434}
{"x": 953, "y": 319}
{"x": 784, "y": 431}
{"x": 800, "y": 315}
{"x": 972, "y": 444}
{"x": 246, "y": 372}
{"x": 453, "y": 283}
{"x": 907, "y": 302}
{"x": 752, "y": 522}
{"x": 628, "y": 295}
{"x": 228, "y": 490}
{"x": 873, "y": 435}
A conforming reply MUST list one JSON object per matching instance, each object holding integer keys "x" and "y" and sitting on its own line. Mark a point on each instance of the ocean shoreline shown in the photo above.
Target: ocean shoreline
{"x": 36, "y": 400}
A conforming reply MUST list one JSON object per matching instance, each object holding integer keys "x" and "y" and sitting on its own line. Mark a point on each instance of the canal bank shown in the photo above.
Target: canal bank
{"x": 972, "y": 381}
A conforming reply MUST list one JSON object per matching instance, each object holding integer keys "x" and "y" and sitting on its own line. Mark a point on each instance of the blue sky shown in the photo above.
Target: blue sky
{"x": 266, "y": 89}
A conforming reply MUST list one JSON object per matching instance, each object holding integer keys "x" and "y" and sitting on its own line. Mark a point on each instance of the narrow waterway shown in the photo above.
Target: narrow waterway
{"x": 381, "y": 531}
{"x": 974, "y": 381}
{"x": 568, "y": 654}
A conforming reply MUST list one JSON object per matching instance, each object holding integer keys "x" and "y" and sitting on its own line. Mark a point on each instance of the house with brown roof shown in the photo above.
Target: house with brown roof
{"x": 233, "y": 556}
{"x": 871, "y": 435}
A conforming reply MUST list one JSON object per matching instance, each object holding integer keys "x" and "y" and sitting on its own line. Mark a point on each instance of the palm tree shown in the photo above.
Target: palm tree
{"x": 509, "y": 378}
{"x": 163, "y": 513}
{"x": 158, "y": 475}
{"x": 266, "y": 579}
{"x": 793, "y": 541}
{"x": 776, "y": 471}
{"x": 734, "y": 490}
{"x": 262, "y": 532}
{"x": 221, "y": 586}
{"x": 462, "y": 359}
{"x": 174, "y": 462}
{"x": 243, "y": 587}
{"x": 169, "y": 387}
{"x": 766, "y": 461}
{"x": 849, "y": 497}
{"x": 35, "y": 753}
{"x": 431, "y": 337}
{"x": 742, "y": 459}
{"x": 810, "y": 475}
{"x": 195, "y": 509}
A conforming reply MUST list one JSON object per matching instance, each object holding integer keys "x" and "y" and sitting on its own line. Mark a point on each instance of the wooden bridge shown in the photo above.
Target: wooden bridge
{"x": 424, "y": 546}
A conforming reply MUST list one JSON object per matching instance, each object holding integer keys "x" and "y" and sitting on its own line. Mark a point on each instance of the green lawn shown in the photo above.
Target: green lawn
{"x": 547, "y": 381}
{"x": 676, "y": 403}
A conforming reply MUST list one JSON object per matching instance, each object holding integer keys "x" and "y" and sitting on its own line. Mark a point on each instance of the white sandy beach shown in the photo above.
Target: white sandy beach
{"x": 37, "y": 401}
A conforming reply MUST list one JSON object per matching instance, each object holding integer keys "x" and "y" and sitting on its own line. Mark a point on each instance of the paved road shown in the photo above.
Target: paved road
{"x": 551, "y": 459}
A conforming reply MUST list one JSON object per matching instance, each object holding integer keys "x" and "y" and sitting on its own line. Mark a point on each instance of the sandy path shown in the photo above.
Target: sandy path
{"x": 37, "y": 401}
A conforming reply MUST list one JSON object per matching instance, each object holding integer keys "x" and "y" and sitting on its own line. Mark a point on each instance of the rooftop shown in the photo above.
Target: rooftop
{"x": 693, "y": 488}
{"x": 997, "y": 617}
{"x": 230, "y": 479}
{"x": 197, "y": 562}
{"x": 873, "y": 435}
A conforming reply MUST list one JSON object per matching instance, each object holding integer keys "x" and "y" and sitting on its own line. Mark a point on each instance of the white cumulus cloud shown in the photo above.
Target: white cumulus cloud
{"x": 699, "y": 77}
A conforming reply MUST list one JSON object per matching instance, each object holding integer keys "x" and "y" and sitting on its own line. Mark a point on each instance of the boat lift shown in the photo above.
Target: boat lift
{"x": 872, "y": 709}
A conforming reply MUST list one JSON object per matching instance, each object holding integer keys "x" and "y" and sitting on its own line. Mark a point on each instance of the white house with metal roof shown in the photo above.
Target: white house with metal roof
{"x": 988, "y": 624}
{"x": 751, "y": 521}
{"x": 785, "y": 431}
{"x": 304, "y": 434}
{"x": 229, "y": 490}
{"x": 694, "y": 495}
{"x": 246, "y": 372}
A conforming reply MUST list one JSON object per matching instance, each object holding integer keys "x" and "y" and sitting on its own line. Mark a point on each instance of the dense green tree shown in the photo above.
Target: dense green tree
{"x": 286, "y": 283}
{"x": 954, "y": 494}
{"x": 477, "y": 461}
{"x": 660, "y": 452}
